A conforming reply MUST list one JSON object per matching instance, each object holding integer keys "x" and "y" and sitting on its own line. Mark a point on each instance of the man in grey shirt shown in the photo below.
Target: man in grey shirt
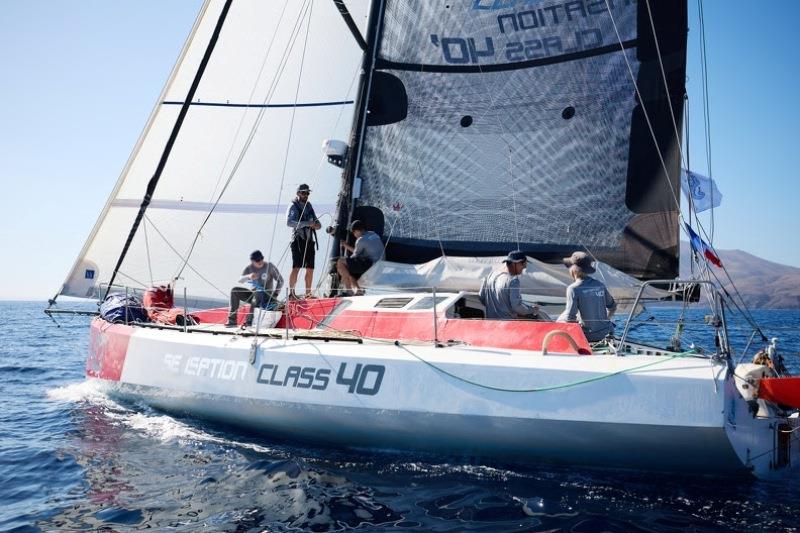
{"x": 500, "y": 291}
{"x": 367, "y": 251}
{"x": 589, "y": 299}
{"x": 259, "y": 276}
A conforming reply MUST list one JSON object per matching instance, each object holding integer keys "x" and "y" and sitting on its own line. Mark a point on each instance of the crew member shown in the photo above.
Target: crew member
{"x": 260, "y": 275}
{"x": 367, "y": 251}
{"x": 500, "y": 291}
{"x": 301, "y": 218}
{"x": 588, "y": 300}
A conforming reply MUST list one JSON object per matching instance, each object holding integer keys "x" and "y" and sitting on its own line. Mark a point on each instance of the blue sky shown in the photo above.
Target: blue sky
{"x": 79, "y": 79}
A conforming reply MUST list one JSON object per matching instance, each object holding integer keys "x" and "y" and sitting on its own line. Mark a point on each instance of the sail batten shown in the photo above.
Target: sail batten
{"x": 260, "y": 106}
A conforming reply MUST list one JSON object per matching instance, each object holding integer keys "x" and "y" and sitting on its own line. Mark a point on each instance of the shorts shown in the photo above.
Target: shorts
{"x": 303, "y": 253}
{"x": 358, "y": 265}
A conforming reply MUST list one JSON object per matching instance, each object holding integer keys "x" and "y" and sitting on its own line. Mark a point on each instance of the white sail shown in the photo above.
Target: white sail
{"x": 281, "y": 79}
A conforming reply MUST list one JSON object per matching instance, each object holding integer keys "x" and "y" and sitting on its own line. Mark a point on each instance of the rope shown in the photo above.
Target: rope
{"x": 551, "y": 387}
{"x": 501, "y": 389}
{"x": 308, "y": 11}
{"x": 253, "y": 129}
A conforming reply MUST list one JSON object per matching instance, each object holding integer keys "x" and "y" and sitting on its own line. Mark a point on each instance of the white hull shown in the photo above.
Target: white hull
{"x": 680, "y": 414}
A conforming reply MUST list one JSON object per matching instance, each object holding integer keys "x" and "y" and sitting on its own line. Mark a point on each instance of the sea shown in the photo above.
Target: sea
{"x": 73, "y": 459}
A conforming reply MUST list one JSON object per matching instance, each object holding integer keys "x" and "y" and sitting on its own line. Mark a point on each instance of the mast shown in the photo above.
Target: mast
{"x": 346, "y": 202}
{"x": 151, "y": 186}
{"x": 351, "y": 24}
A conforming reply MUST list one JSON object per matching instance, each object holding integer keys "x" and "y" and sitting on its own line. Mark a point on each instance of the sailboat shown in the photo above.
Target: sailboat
{"x": 474, "y": 128}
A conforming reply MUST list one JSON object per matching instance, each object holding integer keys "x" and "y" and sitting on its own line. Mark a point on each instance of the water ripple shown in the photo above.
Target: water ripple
{"x": 73, "y": 458}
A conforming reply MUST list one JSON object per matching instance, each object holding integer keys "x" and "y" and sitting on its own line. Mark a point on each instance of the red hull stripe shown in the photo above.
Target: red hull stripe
{"x": 108, "y": 345}
{"x": 509, "y": 334}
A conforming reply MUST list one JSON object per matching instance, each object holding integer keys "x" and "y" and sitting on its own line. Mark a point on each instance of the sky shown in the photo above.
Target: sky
{"x": 78, "y": 80}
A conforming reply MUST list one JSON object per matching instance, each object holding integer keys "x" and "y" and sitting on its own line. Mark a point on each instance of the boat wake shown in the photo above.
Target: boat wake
{"x": 144, "y": 419}
{"x": 89, "y": 391}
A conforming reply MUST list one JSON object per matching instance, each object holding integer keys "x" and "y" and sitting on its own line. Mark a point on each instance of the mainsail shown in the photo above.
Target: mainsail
{"x": 281, "y": 79}
{"x": 540, "y": 125}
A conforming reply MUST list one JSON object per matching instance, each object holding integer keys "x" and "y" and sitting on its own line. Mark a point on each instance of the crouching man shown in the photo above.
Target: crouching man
{"x": 367, "y": 251}
{"x": 260, "y": 275}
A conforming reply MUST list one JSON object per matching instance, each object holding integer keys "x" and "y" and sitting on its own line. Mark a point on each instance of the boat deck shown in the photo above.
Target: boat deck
{"x": 276, "y": 333}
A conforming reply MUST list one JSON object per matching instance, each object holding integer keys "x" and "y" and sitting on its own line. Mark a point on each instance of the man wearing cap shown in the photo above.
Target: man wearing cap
{"x": 500, "y": 291}
{"x": 367, "y": 251}
{"x": 588, "y": 299}
{"x": 301, "y": 218}
{"x": 260, "y": 275}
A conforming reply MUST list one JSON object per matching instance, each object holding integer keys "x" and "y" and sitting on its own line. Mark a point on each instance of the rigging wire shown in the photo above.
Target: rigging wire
{"x": 153, "y": 182}
{"x": 644, "y": 112}
{"x": 309, "y": 10}
{"x": 184, "y": 259}
{"x": 430, "y": 209}
{"x": 270, "y": 93}
{"x": 294, "y": 33}
{"x": 147, "y": 251}
{"x": 249, "y": 99}
{"x": 513, "y": 196}
{"x": 666, "y": 85}
{"x": 747, "y": 314}
{"x": 706, "y": 101}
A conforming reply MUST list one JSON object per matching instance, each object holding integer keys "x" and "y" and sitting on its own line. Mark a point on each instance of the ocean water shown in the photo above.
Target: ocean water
{"x": 73, "y": 459}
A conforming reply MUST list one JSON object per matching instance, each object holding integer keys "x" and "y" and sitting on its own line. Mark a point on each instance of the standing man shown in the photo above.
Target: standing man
{"x": 588, "y": 298}
{"x": 367, "y": 251}
{"x": 260, "y": 275}
{"x": 301, "y": 218}
{"x": 500, "y": 291}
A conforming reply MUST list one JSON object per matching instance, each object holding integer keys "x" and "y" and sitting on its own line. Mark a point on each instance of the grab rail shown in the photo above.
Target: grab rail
{"x": 559, "y": 333}
{"x": 716, "y": 309}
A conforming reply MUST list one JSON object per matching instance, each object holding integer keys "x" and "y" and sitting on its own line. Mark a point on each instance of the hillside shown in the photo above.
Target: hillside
{"x": 762, "y": 283}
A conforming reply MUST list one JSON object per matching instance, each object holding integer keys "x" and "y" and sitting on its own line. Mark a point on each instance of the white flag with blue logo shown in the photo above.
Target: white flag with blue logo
{"x": 700, "y": 190}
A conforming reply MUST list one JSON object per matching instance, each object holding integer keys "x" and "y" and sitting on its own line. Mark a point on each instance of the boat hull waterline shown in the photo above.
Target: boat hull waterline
{"x": 680, "y": 414}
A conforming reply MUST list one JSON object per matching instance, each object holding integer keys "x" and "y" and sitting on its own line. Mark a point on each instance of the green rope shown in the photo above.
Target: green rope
{"x": 553, "y": 387}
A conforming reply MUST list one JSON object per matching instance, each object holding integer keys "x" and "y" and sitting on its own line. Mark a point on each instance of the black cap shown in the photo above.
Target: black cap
{"x": 257, "y": 256}
{"x": 357, "y": 225}
{"x": 303, "y": 188}
{"x": 516, "y": 256}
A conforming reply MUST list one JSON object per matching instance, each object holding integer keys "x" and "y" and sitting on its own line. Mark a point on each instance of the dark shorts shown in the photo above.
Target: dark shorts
{"x": 358, "y": 265}
{"x": 303, "y": 253}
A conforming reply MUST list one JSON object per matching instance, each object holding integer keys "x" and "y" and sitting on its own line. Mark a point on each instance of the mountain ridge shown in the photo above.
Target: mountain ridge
{"x": 762, "y": 283}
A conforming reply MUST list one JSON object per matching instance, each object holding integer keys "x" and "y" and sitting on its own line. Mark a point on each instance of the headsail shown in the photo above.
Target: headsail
{"x": 281, "y": 79}
{"x": 498, "y": 124}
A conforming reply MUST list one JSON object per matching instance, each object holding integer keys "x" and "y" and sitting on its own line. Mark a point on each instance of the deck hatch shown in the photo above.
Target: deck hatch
{"x": 393, "y": 303}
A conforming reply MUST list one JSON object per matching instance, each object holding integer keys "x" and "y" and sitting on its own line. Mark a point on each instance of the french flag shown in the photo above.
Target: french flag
{"x": 699, "y": 246}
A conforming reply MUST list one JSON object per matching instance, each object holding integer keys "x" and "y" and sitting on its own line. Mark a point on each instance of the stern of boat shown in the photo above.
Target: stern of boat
{"x": 764, "y": 436}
